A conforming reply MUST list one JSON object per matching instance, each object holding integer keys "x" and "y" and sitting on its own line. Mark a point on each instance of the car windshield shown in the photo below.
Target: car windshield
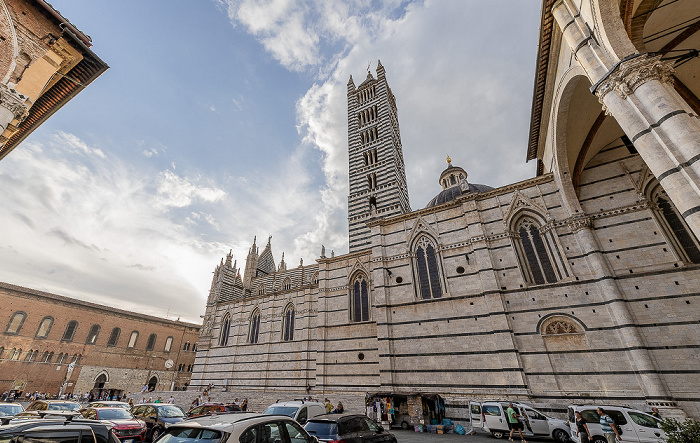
{"x": 64, "y": 406}
{"x": 322, "y": 428}
{"x": 289, "y": 411}
{"x": 114, "y": 414}
{"x": 10, "y": 409}
{"x": 190, "y": 435}
{"x": 169, "y": 411}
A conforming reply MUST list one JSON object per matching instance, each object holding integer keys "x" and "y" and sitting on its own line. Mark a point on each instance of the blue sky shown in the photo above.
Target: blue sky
{"x": 221, "y": 120}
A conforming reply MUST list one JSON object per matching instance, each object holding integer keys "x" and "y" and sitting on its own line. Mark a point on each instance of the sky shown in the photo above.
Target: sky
{"x": 221, "y": 120}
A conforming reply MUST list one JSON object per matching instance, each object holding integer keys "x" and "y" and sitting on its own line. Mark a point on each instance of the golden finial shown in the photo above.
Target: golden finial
{"x": 449, "y": 160}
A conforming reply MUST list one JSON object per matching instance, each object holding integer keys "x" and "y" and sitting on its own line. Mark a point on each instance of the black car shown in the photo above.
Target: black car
{"x": 157, "y": 417}
{"x": 57, "y": 430}
{"x": 350, "y": 428}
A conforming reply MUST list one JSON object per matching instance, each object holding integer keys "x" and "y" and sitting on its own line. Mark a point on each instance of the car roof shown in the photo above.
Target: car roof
{"x": 334, "y": 417}
{"x": 227, "y": 422}
{"x": 296, "y": 403}
{"x": 10, "y": 404}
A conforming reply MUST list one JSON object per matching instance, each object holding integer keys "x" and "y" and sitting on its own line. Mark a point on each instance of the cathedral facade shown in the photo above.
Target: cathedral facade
{"x": 579, "y": 285}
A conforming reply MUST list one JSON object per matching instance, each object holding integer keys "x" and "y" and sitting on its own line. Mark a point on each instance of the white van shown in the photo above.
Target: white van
{"x": 636, "y": 426}
{"x": 491, "y": 417}
{"x": 299, "y": 410}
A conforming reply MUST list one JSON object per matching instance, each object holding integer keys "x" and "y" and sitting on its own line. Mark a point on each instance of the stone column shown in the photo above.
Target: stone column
{"x": 663, "y": 128}
{"x": 12, "y": 106}
{"x": 640, "y": 360}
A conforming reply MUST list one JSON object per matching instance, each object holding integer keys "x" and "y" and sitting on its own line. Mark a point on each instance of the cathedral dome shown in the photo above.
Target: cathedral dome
{"x": 454, "y": 183}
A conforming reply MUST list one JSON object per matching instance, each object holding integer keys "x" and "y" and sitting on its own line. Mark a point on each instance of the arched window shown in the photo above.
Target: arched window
{"x": 151, "y": 343}
{"x": 314, "y": 279}
{"x": 92, "y": 335}
{"x": 427, "y": 269}
{"x": 225, "y": 330}
{"x": 132, "y": 339}
{"x": 254, "y": 327}
{"x": 287, "y": 284}
{"x": 44, "y": 327}
{"x": 680, "y": 237}
{"x": 114, "y": 337}
{"x": 28, "y": 357}
{"x": 16, "y": 354}
{"x": 186, "y": 346}
{"x": 69, "y": 333}
{"x": 15, "y": 323}
{"x": 288, "y": 323}
{"x": 194, "y": 347}
{"x": 535, "y": 251}
{"x": 261, "y": 289}
{"x": 168, "y": 344}
{"x": 2, "y": 351}
{"x": 60, "y": 358}
{"x": 49, "y": 358}
{"x": 359, "y": 299}
{"x": 45, "y": 356}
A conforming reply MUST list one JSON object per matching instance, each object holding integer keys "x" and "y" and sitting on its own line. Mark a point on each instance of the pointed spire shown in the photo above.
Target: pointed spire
{"x": 229, "y": 256}
{"x": 269, "y": 239}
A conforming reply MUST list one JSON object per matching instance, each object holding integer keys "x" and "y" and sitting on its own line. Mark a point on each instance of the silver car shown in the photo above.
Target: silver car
{"x": 237, "y": 428}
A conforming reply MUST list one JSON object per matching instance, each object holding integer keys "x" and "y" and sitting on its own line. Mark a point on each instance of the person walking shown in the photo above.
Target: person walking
{"x": 329, "y": 407}
{"x": 608, "y": 425}
{"x": 583, "y": 433}
{"x": 655, "y": 413}
{"x": 514, "y": 424}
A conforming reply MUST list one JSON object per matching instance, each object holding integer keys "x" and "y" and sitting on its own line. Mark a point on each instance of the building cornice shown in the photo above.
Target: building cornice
{"x": 85, "y": 304}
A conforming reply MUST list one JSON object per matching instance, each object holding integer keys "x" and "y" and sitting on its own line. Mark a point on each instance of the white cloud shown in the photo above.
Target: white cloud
{"x": 73, "y": 144}
{"x": 150, "y": 152}
{"x": 179, "y": 192}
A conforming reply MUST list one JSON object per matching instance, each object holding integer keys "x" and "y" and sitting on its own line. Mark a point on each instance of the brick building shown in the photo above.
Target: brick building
{"x": 115, "y": 351}
{"x": 578, "y": 285}
{"x": 45, "y": 61}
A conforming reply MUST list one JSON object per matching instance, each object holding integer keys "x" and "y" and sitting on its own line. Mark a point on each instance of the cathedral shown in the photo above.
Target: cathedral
{"x": 578, "y": 285}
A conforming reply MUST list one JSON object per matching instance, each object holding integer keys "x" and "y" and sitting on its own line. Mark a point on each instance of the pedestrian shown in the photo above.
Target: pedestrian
{"x": 131, "y": 403}
{"x": 514, "y": 424}
{"x": 244, "y": 405}
{"x": 339, "y": 409}
{"x": 328, "y": 405}
{"x": 171, "y": 400}
{"x": 583, "y": 433}
{"x": 655, "y": 413}
{"x": 608, "y": 425}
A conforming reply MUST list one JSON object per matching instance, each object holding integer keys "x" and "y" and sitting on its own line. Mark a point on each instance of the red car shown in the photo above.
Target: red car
{"x": 212, "y": 408}
{"x": 125, "y": 426}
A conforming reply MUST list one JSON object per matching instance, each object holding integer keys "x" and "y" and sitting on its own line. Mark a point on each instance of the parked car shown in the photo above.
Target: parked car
{"x": 246, "y": 427}
{"x": 491, "y": 417}
{"x": 57, "y": 430}
{"x": 157, "y": 417}
{"x": 636, "y": 426}
{"x": 212, "y": 408}
{"x": 125, "y": 426}
{"x": 299, "y": 410}
{"x": 54, "y": 405}
{"x": 7, "y": 409}
{"x": 350, "y": 428}
{"x": 109, "y": 404}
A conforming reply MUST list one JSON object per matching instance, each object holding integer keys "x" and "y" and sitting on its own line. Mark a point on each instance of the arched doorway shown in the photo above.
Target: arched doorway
{"x": 152, "y": 383}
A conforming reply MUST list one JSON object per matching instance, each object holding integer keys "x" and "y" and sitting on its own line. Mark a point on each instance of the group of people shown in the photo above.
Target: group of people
{"x": 199, "y": 400}
{"x": 330, "y": 409}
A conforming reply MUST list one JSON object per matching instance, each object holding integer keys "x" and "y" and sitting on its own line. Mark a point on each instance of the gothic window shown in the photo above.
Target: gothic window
{"x": 60, "y": 358}
{"x": 288, "y": 323}
{"x": 49, "y": 358}
{"x": 314, "y": 279}
{"x": 680, "y": 237}
{"x": 114, "y": 337}
{"x": 254, "y": 327}
{"x": 359, "y": 299}
{"x": 151, "y": 343}
{"x": 132, "y": 339}
{"x": 287, "y": 284}
{"x": 535, "y": 251}
{"x": 168, "y": 344}
{"x": 225, "y": 330}
{"x": 16, "y": 353}
{"x": 44, "y": 327}
{"x": 194, "y": 347}
{"x": 427, "y": 269}
{"x": 15, "y": 323}
{"x": 186, "y": 346}
{"x": 92, "y": 335}
{"x": 69, "y": 333}
{"x": 261, "y": 289}
{"x": 28, "y": 357}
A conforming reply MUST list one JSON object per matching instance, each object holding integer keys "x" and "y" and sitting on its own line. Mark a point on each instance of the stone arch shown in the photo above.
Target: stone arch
{"x": 563, "y": 164}
{"x": 102, "y": 377}
{"x": 560, "y": 324}
{"x": 359, "y": 296}
{"x": 611, "y": 29}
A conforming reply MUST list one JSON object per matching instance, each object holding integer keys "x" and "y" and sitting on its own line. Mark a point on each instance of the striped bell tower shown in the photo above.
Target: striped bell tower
{"x": 377, "y": 174}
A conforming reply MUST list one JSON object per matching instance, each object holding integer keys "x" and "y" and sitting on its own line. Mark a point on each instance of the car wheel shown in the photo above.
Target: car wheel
{"x": 156, "y": 433}
{"x": 497, "y": 434}
{"x": 599, "y": 439}
{"x": 560, "y": 436}
{"x": 404, "y": 425}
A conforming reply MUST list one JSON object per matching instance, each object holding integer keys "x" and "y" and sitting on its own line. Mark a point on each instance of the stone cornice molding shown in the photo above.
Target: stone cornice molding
{"x": 625, "y": 77}
{"x": 14, "y": 102}
{"x": 577, "y": 223}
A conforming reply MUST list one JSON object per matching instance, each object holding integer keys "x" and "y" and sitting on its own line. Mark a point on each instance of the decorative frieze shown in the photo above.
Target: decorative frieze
{"x": 14, "y": 102}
